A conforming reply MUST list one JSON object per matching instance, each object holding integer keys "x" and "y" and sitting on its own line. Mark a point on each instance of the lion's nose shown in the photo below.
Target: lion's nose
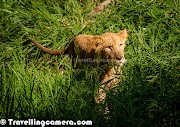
{"x": 118, "y": 58}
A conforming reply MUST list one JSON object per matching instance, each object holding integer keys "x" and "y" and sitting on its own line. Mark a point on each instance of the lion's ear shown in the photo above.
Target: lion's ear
{"x": 123, "y": 34}
{"x": 96, "y": 40}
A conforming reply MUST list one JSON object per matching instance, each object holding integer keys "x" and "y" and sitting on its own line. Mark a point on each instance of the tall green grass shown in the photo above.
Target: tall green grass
{"x": 41, "y": 86}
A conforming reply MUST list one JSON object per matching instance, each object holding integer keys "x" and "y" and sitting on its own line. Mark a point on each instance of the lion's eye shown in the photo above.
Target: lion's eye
{"x": 121, "y": 46}
{"x": 109, "y": 48}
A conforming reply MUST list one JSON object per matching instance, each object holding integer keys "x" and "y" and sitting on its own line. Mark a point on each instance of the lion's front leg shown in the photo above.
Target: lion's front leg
{"x": 110, "y": 80}
{"x": 101, "y": 95}
{"x": 100, "y": 98}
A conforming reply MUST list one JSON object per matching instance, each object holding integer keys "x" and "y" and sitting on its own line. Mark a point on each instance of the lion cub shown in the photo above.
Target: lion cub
{"x": 108, "y": 49}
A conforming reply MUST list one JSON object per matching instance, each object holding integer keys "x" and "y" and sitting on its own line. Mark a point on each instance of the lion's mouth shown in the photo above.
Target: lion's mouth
{"x": 120, "y": 62}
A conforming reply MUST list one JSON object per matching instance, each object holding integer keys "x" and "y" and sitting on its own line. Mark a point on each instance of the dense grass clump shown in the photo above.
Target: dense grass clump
{"x": 37, "y": 85}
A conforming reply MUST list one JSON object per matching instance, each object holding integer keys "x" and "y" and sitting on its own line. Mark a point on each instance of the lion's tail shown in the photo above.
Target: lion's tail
{"x": 49, "y": 51}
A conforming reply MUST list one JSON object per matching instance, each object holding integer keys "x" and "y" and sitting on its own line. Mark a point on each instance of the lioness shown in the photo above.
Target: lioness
{"x": 109, "y": 48}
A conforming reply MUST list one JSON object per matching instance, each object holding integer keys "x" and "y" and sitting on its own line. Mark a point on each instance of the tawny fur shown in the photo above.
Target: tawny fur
{"x": 109, "y": 46}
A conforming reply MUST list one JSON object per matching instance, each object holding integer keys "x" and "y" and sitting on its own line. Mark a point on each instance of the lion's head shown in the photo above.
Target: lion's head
{"x": 109, "y": 47}
{"x": 112, "y": 46}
